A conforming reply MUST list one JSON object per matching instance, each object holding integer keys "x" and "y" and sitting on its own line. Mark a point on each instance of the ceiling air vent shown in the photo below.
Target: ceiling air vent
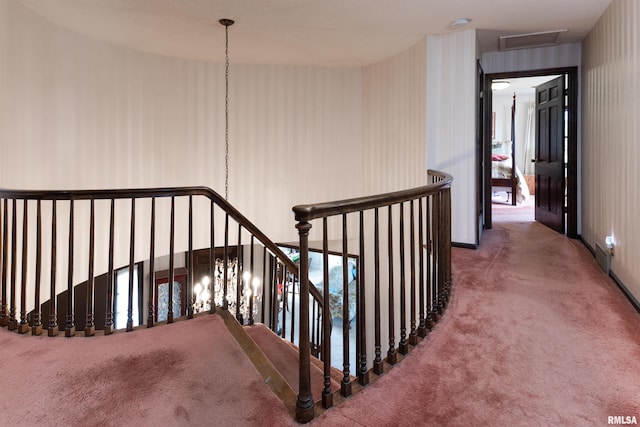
{"x": 529, "y": 40}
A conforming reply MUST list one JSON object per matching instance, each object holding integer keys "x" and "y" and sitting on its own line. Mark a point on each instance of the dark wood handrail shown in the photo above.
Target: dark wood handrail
{"x": 308, "y": 212}
{"x": 141, "y": 193}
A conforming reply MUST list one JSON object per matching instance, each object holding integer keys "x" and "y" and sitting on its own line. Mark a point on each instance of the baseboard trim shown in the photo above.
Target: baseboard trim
{"x": 632, "y": 299}
{"x": 464, "y": 245}
{"x": 588, "y": 246}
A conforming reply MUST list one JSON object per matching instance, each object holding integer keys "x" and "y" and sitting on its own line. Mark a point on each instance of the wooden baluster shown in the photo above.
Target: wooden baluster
{"x": 4, "y": 320}
{"x": 23, "y": 326}
{"x": 403, "y": 346}
{"x": 52, "y": 330}
{"x": 3, "y": 274}
{"x": 293, "y": 306}
{"x": 190, "y": 298}
{"x": 431, "y": 309}
{"x": 3, "y": 293}
{"x": 90, "y": 327}
{"x": 279, "y": 299}
{"x": 225, "y": 263}
{"x": 108, "y": 321}
{"x": 212, "y": 261}
{"x": 285, "y": 300}
{"x": 320, "y": 330}
{"x": 422, "y": 326}
{"x": 70, "y": 327}
{"x": 327, "y": 392}
{"x": 438, "y": 254}
{"x": 437, "y": 286}
{"x": 363, "y": 372}
{"x": 172, "y": 243}
{"x": 304, "y": 403}
{"x": 378, "y": 364}
{"x": 264, "y": 285}
{"x": 132, "y": 253}
{"x": 345, "y": 385}
{"x": 239, "y": 278}
{"x": 392, "y": 356}
{"x": 36, "y": 328}
{"x": 152, "y": 265}
{"x": 413, "y": 335}
{"x": 443, "y": 250}
{"x": 273, "y": 298}
{"x": 12, "y": 324}
{"x": 252, "y": 289}
{"x": 447, "y": 241}
{"x": 314, "y": 313}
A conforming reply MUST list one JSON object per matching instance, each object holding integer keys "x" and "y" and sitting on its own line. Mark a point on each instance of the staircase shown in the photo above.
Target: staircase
{"x": 277, "y": 360}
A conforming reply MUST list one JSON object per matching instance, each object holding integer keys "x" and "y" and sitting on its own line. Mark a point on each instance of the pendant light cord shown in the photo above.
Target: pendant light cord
{"x": 226, "y": 23}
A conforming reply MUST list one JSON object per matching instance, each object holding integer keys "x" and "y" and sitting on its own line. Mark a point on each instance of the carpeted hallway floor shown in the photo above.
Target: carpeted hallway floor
{"x": 535, "y": 335}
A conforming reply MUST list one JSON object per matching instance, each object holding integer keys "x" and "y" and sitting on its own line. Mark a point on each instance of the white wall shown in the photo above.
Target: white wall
{"x": 611, "y": 107}
{"x": 451, "y": 123}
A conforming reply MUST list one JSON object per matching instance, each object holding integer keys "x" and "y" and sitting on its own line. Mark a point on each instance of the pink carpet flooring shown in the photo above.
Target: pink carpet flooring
{"x": 171, "y": 375}
{"x": 535, "y": 335}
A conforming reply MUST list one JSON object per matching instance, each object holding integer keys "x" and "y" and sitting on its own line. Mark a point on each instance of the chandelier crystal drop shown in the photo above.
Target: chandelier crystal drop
{"x": 207, "y": 292}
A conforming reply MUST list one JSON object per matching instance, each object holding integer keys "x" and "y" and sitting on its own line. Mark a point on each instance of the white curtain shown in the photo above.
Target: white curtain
{"x": 529, "y": 141}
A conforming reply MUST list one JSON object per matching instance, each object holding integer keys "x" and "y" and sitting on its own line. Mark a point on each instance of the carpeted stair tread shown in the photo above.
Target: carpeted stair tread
{"x": 284, "y": 356}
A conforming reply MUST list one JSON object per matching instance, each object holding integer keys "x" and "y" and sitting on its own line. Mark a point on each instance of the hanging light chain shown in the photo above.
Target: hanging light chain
{"x": 226, "y": 23}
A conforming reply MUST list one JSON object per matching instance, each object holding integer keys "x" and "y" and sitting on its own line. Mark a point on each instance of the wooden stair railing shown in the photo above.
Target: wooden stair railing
{"x": 417, "y": 301}
{"x": 87, "y": 233}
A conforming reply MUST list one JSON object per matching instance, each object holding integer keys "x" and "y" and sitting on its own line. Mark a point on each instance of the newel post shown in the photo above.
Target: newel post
{"x": 304, "y": 404}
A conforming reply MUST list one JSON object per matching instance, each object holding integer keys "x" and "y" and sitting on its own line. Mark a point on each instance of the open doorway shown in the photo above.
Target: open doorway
{"x": 510, "y": 133}
{"x": 513, "y": 139}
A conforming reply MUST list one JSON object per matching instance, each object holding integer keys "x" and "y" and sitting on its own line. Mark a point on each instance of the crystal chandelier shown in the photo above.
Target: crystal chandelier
{"x": 225, "y": 293}
{"x": 244, "y": 307}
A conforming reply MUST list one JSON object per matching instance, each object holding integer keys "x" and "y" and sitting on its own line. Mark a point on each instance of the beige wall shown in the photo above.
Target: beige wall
{"x": 80, "y": 113}
{"x": 610, "y": 125}
{"x": 451, "y": 124}
{"x": 394, "y": 122}
{"x": 77, "y": 113}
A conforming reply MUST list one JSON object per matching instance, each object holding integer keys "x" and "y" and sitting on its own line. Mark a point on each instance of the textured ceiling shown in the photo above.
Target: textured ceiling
{"x": 309, "y": 32}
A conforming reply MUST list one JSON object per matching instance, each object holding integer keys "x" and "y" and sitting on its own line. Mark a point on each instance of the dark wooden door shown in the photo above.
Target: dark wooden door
{"x": 480, "y": 153}
{"x": 550, "y": 157}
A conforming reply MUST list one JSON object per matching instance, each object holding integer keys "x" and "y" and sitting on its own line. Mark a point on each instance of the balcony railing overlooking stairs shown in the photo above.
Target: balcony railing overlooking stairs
{"x": 402, "y": 285}
{"x": 61, "y": 253}
{"x": 53, "y": 241}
